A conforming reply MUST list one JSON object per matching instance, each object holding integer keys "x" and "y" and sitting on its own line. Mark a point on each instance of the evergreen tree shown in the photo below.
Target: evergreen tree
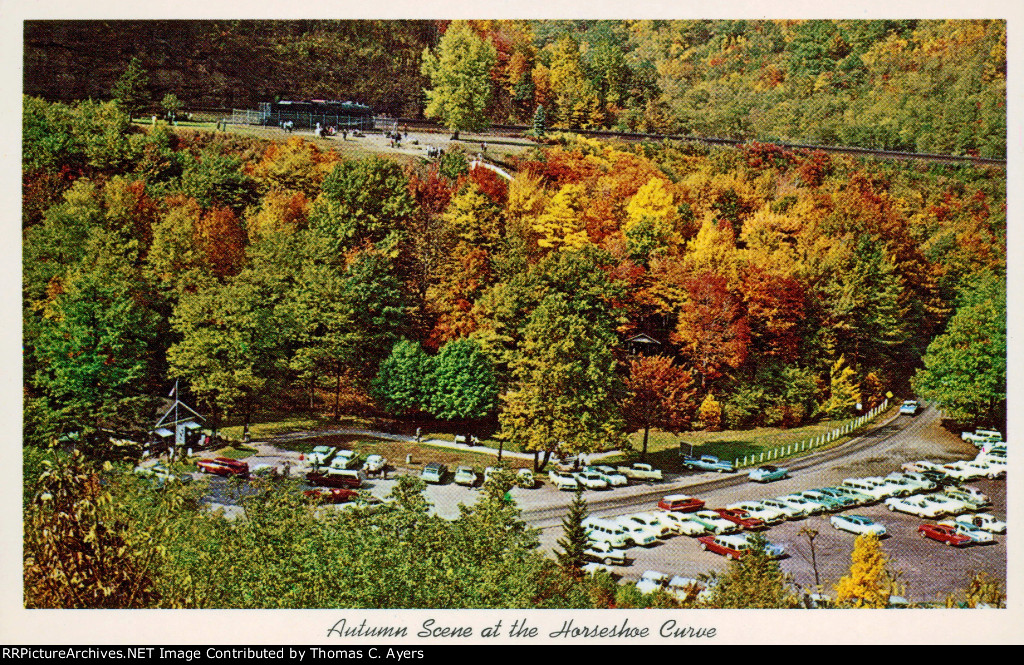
{"x": 130, "y": 92}
{"x": 539, "y": 121}
{"x": 574, "y": 537}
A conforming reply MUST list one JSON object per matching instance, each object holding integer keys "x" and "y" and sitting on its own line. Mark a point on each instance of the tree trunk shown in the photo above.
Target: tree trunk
{"x": 337, "y": 396}
{"x": 647, "y": 430}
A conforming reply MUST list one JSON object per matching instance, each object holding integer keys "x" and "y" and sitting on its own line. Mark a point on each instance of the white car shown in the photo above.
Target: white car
{"x": 865, "y": 486}
{"x": 525, "y": 479}
{"x": 320, "y": 455}
{"x": 345, "y": 459}
{"x": 590, "y": 480}
{"x": 974, "y": 533}
{"x": 466, "y": 476}
{"x": 684, "y": 588}
{"x": 858, "y": 524}
{"x": 375, "y": 463}
{"x": 637, "y": 533}
{"x": 962, "y": 471}
{"x": 991, "y": 469}
{"x": 981, "y": 436}
{"x": 951, "y": 505}
{"x": 641, "y": 471}
{"x": 563, "y": 480}
{"x": 909, "y": 407}
{"x": 918, "y": 479}
{"x": 681, "y": 523}
{"x": 812, "y": 507}
{"x": 604, "y": 552}
{"x": 757, "y": 510}
{"x": 792, "y": 510}
{"x": 983, "y": 521}
{"x": 921, "y": 465}
{"x": 654, "y": 521}
{"x": 609, "y": 475}
{"x": 651, "y": 581}
{"x": 913, "y": 486}
{"x": 593, "y": 568}
{"x": 916, "y": 505}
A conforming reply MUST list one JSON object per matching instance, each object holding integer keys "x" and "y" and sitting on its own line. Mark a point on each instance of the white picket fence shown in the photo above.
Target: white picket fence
{"x": 812, "y": 443}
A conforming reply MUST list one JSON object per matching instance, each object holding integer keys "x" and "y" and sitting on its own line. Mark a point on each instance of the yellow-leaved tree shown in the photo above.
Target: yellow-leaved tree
{"x": 869, "y": 583}
{"x": 561, "y": 225}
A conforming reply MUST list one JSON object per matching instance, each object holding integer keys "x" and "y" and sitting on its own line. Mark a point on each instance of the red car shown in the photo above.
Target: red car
{"x": 741, "y": 517}
{"x": 223, "y": 466}
{"x": 943, "y": 534}
{"x": 681, "y": 503}
{"x": 331, "y": 494}
{"x": 731, "y": 547}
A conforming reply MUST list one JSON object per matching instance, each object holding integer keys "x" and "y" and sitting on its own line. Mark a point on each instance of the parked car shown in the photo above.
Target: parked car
{"x": 981, "y": 436}
{"x": 978, "y": 536}
{"x": 858, "y": 524}
{"x": 865, "y": 486}
{"x": 856, "y": 498}
{"x": 983, "y": 521}
{"x": 321, "y": 454}
{"x": 682, "y": 503}
{"x": 161, "y": 473}
{"x": 791, "y": 509}
{"x": 637, "y": 533}
{"x": 812, "y": 507}
{"x": 923, "y": 482}
{"x": 603, "y": 551}
{"x": 641, "y": 471}
{"x": 759, "y": 511}
{"x": 467, "y": 476}
{"x": 223, "y": 466}
{"x": 651, "y": 581}
{"x": 714, "y": 522}
{"x": 915, "y": 505}
{"x": 909, "y": 408}
{"x": 972, "y": 498}
{"x": 609, "y": 475}
{"x": 594, "y": 567}
{"x": 827, "y": 503}
{"x": 734, "y": 546}
{"x": 434, "y": 473}
{"x": 336, "y": 478}
{"x": 845, "y": 498}
{"x": 768, "y": 473}
{"x": 950, "y": 505}
{"x": 375, "y": 463}
{"x": 741, "y": 517}
{"x": 600, "y": 529}
{"x": 526, "y": 479}
{"x": 563, "y": 480}
{"x": 943, "y": 534}
{"x": 654, "y": 521}
{"x": 331, "y": 494}
{"x": 708, "y": 463}
{"x": 963, "y": 471}
{"x": 684, "y": 523}
{"x": 345, "y": 459}
{"x": 684, "y": 588}
{"x": 590, "y": 480}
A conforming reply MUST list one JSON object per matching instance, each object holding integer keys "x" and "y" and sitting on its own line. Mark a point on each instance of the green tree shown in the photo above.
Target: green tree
{"x": 754, "y": 581}
{"x": 844, "y": 391}
{"x": 462, "y": 382}
{"x": 131, "y": 90}
{"x": 565, "y": 392}
{"x": 965, "y": 367}
{"x": 540, "y": 121}
{"x": 92, "y": 343}
{"x": 460, "y": 78}
{"x": 171, "y": 105}
{"x": 401, "y": 384}
{"x": 574, "y": 538}
{"x": 869, "y": 583}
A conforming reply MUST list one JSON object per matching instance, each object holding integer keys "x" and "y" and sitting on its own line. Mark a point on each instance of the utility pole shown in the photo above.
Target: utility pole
{"x": 811, "y": 535}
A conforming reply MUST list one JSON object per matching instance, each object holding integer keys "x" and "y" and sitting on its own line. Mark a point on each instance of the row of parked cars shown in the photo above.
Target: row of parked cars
{"x": 602, "y": 477}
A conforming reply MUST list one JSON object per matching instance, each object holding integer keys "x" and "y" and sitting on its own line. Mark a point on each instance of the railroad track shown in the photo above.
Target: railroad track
{"x": 516, "y": 131}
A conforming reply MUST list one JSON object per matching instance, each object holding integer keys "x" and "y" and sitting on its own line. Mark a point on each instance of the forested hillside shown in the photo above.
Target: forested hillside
{"x": 926, "y": 86}
{"x": 781, "y": 286}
